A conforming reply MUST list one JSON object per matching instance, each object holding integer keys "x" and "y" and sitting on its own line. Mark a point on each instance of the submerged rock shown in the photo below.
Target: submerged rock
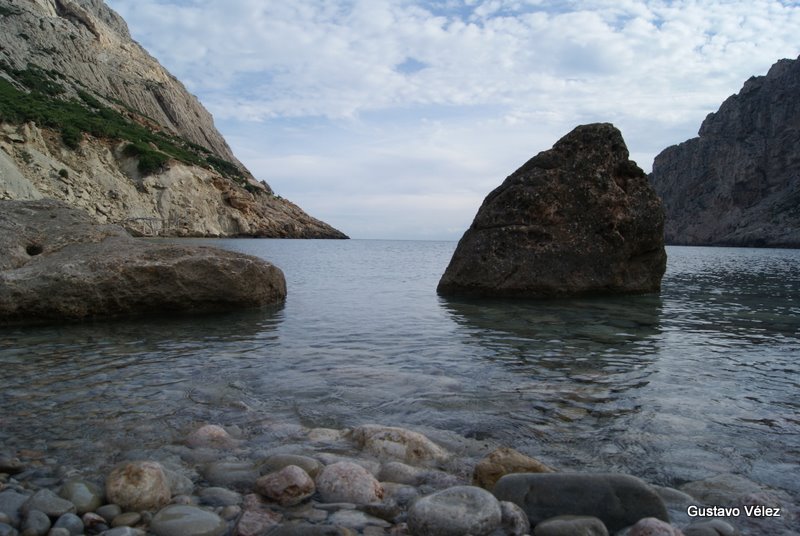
{"x": 57, "y": 265}
{"x": 578, "y": 219}
{"x": 348, "y": 482}
{"x": 617, "y": 500}
{"x": 504, "y": 461}
{"x": 138, "y": 486}
{"x": 389, "y": 442}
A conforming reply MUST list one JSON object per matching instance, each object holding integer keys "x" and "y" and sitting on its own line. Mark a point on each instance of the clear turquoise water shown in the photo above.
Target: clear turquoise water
{"x": 703, "y": 379}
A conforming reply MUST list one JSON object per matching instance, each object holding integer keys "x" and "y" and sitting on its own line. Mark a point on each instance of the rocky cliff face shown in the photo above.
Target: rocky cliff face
{"x": 738, "y": 182}
{"x": 88, "y": 117}
{"x": 578, "y": 219}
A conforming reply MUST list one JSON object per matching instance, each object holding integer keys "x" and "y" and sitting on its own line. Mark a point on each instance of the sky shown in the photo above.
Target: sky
{"x": 395, "y": 118}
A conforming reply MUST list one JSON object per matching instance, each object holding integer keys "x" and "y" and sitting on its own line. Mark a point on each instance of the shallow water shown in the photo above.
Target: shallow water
{"x": 701, "y": 380}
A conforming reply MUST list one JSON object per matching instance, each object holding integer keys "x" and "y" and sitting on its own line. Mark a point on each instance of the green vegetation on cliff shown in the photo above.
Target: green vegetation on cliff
{"x": 41, "y": 98}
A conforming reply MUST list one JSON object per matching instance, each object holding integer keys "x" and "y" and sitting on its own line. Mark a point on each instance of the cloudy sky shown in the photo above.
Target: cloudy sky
{"x": 395, "y": 118}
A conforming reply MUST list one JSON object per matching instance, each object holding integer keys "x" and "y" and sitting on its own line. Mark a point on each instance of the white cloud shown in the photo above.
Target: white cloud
{"x": 339, "y": 102}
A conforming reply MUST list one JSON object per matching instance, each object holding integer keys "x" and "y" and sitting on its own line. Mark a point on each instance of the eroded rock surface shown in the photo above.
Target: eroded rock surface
{"x": 578, "y": 219}
{"x": 738, "y": 182}
{"x": 56, "y": 264}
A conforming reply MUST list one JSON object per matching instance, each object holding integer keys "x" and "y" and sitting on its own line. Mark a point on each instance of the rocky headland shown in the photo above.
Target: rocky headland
{"x": 578, "y": 219}
{"x": 370, "y": 480}
{"x": 88, "y": 117}
{"x": 57, "y": 264}
{"x": 738, "y": 182}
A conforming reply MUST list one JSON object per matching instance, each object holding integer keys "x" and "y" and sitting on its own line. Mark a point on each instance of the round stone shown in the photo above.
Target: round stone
{"x": 48, "y": 502}
{"x": 71, "y": 522}
{"x": 36, "y": 522}
{"x": 219, "y": 497}
{"x": 84, "y": 495}
{"x": 650, "y": 526}
{"x": 109, "y": 512}
{"x": 276, "y": 462}
{"x": 210, "y": 436}
{"x": 289, "y": 486}
{"x": 128, "y": 519}
{"x": 571, "y": 526}
{"x": 137, "y": 486}
{"x": 454, "y": 512}
{"x": 348, "y": 482}
{"x": 183, "y": 520}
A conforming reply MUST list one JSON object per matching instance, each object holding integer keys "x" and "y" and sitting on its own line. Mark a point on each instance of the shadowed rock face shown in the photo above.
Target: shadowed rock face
{"x": 738, "y": 182}
{"x": 579, "y": 219}
{"x": 56, "y": 265}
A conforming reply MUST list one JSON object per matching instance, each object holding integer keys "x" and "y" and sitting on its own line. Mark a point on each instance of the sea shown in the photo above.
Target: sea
{"x": 700, "y": 380}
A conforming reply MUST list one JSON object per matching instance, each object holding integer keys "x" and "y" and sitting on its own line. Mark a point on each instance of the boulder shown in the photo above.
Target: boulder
{"x": 138, "y": 486}
{"x": 617, "y": 500}
{"x": 504, "y": 461}
{"x": 57, "y": 265}
{"x": 578, "y": 219}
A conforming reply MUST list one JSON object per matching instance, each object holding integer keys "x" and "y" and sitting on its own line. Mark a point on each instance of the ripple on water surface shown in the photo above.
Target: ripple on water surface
{"x": 700, "y": 380}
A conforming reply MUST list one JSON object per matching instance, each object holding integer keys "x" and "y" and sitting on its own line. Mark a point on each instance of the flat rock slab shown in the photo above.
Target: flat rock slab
{"x": 578, "y": 219}
{"x": 617, "y": 500}
{"x": 57, "y": 265}
{"x": 184, "y": 520}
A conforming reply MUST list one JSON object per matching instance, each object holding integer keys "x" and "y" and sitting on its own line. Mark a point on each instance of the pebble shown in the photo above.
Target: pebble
{"x": 128, "y": 519}
{"x": 36, "y": 522}
{"x": 256, "y": 522}
{"x": 713, "y": 527}
{"x": 140, "y": 485}
{"x": 71, "y": 522}
{"x": 454, "y": 512}
{"x": 123, "y": 531}
{"x": 109, "y": 512}
{"x": 219, "y": 497}
{"x": 182, "y": 520}
{"x": 348, "y": 482}
{"x": 571, "y": 526}
{"x": 59, "y": 531}
{"x": 238, "y": 476}
{"x": 355, "y": 519}
{"x": 211, "y": 436}
{"x": 7, "y": 530}
{"x": 92, "y": 521}
{"x": 276, "y": 462}
{"x": 388, "y": 442}
{"x": 399, "y": 473}
{"x": 505, "y": 461}
{"x": 179, "y": 484}
{"x": 48, "y": 502}
{"x": 651, "y": 526}
{"x": 514, "y": 520}
{"x": 84, "y": 495}
{"x": 289, "y": 486}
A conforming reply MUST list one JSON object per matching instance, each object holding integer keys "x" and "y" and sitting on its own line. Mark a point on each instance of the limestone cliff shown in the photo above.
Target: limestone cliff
{"x": 738, "y": 182}
{"x": 87, "y": 116}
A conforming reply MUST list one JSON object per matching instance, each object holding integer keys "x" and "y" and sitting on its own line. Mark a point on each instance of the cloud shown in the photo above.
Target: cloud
{"x": 351, "y": 100}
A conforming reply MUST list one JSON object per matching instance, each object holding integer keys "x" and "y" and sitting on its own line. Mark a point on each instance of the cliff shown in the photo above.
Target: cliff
{"x": 87, "y": 116}
{"x": 738, "y": 182}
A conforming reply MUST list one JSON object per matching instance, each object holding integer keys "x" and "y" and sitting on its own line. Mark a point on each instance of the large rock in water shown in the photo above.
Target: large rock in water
{"x": 56, "y": 264}
{"x": 579, "y": 219}
{"x": 738, "y": 182}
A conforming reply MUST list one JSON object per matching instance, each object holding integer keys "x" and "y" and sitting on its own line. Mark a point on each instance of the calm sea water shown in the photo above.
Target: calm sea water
{"x": 701, "y": 380}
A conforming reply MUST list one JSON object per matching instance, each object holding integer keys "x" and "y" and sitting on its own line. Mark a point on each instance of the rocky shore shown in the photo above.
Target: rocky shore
{"x": 371, "y": 480}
